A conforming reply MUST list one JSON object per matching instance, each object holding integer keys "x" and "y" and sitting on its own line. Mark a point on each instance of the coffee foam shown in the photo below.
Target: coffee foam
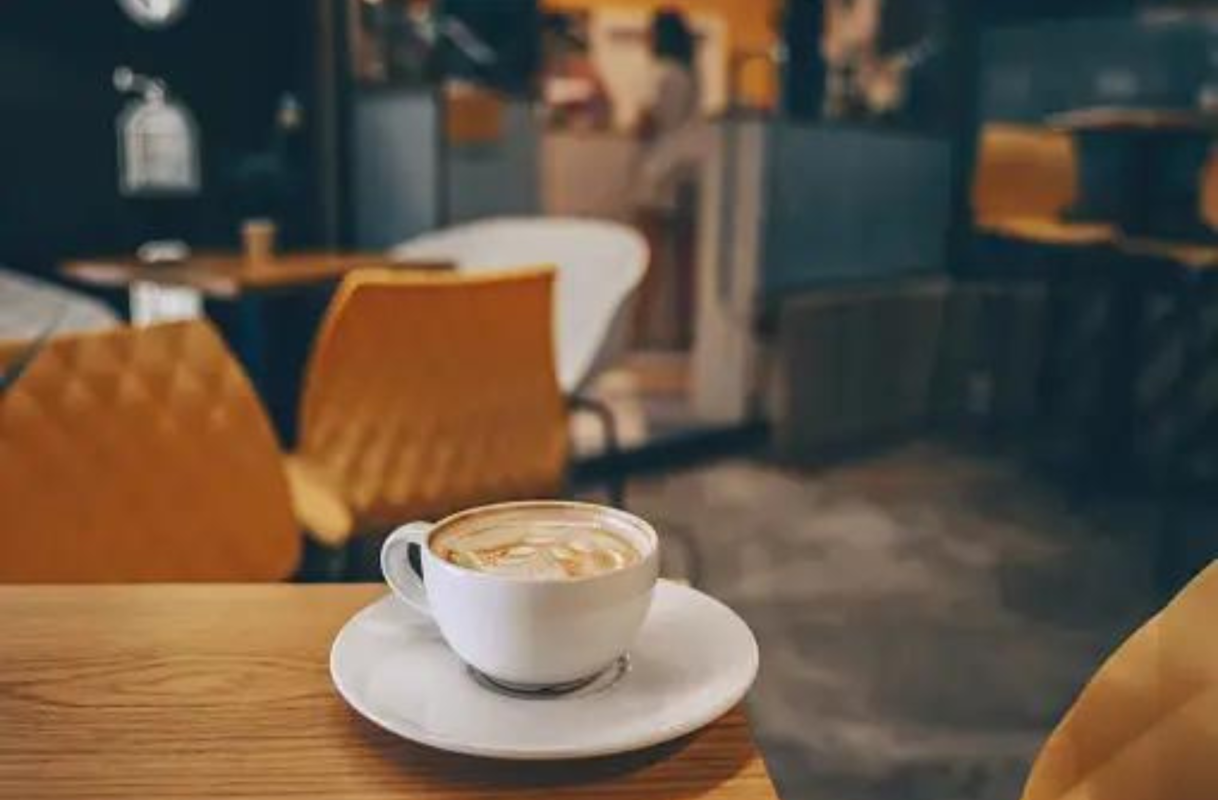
{"x": 537, "y": 550}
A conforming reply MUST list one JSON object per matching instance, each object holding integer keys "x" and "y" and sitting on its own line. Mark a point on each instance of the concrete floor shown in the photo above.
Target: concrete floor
{"x": 924, "y": 616}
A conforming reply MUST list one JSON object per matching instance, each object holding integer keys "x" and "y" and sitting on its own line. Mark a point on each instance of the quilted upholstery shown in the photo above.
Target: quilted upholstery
{"x": 1023, "y": 172}
{"x": 429, "y": 392}
{"x": 140, "y": 455}
{"x": 1146, "y": 727}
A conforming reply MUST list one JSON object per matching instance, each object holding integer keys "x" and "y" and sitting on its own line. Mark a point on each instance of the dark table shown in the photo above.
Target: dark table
{"x": 1141, "y": 169}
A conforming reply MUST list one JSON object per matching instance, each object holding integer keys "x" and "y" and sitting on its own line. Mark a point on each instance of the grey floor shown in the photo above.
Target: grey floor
{"x": 924, "y": 616}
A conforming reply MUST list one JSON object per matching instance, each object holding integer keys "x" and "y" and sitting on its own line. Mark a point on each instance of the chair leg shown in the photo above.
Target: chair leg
{"x": 693, "y": 556}
{"x": 616, "y": 481}
{"x": 321, "y": 564}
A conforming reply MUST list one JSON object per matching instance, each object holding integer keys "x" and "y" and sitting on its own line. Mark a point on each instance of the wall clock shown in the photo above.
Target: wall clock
{"x": 154, "y": 13}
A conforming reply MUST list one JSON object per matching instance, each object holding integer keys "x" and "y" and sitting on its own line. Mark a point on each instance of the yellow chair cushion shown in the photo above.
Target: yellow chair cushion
{"x": 1039, "y": 230}
{"x": 1023, "y": 172}
{"x": 1146, "y": 726}
{"x": 318, "y": 502}
{"x": 140, "y": 454}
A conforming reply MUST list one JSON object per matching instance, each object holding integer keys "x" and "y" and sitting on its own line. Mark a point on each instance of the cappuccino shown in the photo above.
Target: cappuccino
{"x": 538, "y": 550}
{"x": 538, "y": 594}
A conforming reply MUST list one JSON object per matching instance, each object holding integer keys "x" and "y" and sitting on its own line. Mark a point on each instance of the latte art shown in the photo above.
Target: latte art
{"x": 543, "y": 552}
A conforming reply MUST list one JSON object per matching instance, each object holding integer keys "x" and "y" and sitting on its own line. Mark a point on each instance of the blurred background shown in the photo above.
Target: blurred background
{"x": 896, "y": 317}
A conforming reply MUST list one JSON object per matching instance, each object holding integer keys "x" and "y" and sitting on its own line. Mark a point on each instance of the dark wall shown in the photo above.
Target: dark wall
{"x": 1031, "y": 70}
{"x": 509, "y": 27}
{"x": 1008, "y": 11}
{"x": 228, "y": 60}
{"x": 803, "y": 80}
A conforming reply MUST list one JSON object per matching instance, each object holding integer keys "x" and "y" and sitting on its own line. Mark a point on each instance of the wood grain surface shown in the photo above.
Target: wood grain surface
{"x": 227, "y": 275}
{"x": 224, "y": 691}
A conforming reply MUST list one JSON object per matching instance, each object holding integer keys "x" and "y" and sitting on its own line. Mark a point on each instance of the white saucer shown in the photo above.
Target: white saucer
{"x": 693, "y": 661}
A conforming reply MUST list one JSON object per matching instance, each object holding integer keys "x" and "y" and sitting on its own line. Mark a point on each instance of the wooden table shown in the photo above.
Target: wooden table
{"x": 230, "y": 275}
{"x": 224, "y": 691}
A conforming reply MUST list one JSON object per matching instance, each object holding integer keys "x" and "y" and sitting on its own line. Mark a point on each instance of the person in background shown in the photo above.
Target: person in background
{"x": 675, "y": 99}
{"x": 672, "y": 142}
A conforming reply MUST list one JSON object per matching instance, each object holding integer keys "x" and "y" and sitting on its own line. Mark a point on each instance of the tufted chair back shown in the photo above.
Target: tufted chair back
{"x": 429, "y": 392}
{"x": 139, "y": 454}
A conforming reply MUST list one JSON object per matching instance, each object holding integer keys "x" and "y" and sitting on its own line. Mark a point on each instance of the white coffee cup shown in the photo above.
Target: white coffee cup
{"x": 529, "y": 632}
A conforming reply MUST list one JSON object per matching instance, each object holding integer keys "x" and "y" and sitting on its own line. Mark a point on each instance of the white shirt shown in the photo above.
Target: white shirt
{"x": 674, "y": 102}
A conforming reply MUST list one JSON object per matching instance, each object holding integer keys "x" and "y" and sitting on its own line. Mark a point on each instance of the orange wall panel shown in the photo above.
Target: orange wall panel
{"x": 752, "y": 27}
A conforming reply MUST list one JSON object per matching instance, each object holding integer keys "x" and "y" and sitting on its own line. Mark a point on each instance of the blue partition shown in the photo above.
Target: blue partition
{"x": 393, "y": 161}
{"x": 850, "y": 203}
{"x": 394, "y": 168}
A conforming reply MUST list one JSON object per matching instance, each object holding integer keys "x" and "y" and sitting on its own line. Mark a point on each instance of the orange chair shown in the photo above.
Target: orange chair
{"x": 429, "y": 392}
{"x": 1026, "y": 179}
{"x": 1209, "y": 191}
{"x": 139, "y": 454}
{"x": 1146, "y": 726}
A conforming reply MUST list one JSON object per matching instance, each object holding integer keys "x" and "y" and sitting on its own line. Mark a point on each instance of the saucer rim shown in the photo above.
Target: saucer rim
{"x": 559, "y": 752}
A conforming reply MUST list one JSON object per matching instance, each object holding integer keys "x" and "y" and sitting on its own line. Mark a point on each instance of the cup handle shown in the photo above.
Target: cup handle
{"x": 395, "y": 564}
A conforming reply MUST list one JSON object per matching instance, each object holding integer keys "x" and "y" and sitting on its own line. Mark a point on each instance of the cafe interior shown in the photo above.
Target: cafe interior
{"x": 884, "y": 331}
